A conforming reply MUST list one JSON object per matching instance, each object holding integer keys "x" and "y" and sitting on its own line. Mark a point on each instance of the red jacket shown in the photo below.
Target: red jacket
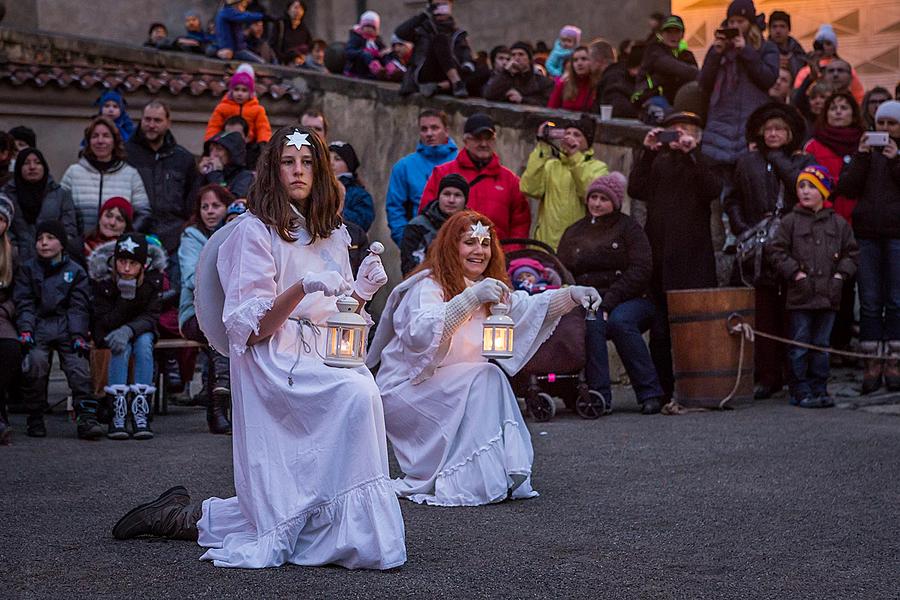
{"x": 496, "y": 194}
{"x": 582, "y": 102}
{"x": 826, "y": 157}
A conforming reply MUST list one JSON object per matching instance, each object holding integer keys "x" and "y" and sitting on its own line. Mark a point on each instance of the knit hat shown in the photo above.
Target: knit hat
{"x": 6, "y": 210}
{"x": 519, "y": 266}
{"x": 612, "y": 186}
{"x": 826, "y": 34}
{"x": 193, "y": 12}
{"x": 571, "y": 31}
{"x": 236, "y": 208}
{"x": 454, "y": 180}
{"x": 888, "y": 110}
{"x": 586, "y": 125}
{"x": 347, "y": 154}
{"x": 132, "y": 245}
{"x": 742, "y": 8}
{"x": 122, "y": 204}
{"x": 819, "y": 177}
{"x": 24, "y": 134}
{"x": 370, "y": 17}
{"x": 523, "y": 46}
{"x": 241, "y": 78}
{"x": 54, "y": 228}
{"x": 780, "y": 15}
{"x": 672, "y": 22}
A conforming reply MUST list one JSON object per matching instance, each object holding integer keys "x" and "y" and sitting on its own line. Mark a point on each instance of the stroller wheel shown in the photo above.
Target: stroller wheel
{"x": 592, "y": 405}
{"x": 541, "y": 406}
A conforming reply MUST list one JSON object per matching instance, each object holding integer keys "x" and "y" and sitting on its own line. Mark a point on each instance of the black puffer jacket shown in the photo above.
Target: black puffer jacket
{"x": 611, "y": 254}
{"x": 421, "y": 30}
{"x": 111, "y": 311}
{"x": 418, "y": 235}
{"x": 534, "y": 88}
{"x": 875, "y": 180}
{"x": 57, "y": 205}
{"x": 52, "y": 300}
{"x": 171, "y": 178}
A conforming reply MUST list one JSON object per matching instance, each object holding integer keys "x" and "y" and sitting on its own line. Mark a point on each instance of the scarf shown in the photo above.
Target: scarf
{"x": 102, "y": 166}
{"x": 727, "y": 80}
{"x": 843, "y": 141}
{"x": 30, "y": 194}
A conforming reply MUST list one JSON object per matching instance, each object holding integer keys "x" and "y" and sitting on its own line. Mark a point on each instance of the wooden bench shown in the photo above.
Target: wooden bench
{"x": 161, "y": 399}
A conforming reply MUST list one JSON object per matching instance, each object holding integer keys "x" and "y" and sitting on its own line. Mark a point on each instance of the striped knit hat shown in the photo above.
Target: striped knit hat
{"x": 819, "y": 177}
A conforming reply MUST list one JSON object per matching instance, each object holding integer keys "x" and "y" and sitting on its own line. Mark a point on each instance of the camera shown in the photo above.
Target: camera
{"x": 729, "y": 33}
{"x": 668, "y": 136}
{"x": 552, "y": 131}
{"x": 876, "y": 139}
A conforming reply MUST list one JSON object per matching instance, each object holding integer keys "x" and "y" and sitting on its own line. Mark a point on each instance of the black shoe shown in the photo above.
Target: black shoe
{"x": 88, "y": 427}
{"x": 174, "y": 384}
{"x": 650, "y": 406}
{"x": 764, "y": 392}
{"x": 825, "y": 401}
{"x": 459, "y": 90}
{"x": 159, "y": 517}
{"x": 217, "y": 413}
{"x": 36, "y": 427}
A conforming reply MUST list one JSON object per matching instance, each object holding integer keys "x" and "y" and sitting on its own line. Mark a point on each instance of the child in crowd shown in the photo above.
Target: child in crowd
{"x": 235, "y": 209}
{"x": 364, "y": 49}
{"x": 194, "y": 39}
{"x": 223, "y": 163}
{"x": 158, "y": 37}
{"x": 315, "y": 60}
{"x": 453, "y": 194}
{"x": 815, "y": 252}
{"x": 358, "y": 205}
{"x": 569, "y": 39}
{"x": 529, "y": 275}
{"x": 10, "y": 354}
{"x": 241, "y": 101}
{"x": 52, "y": 298}
{"x": 112, "y": 105}
{"x": 396, "y": 62}
{"x": 127, "y": 280}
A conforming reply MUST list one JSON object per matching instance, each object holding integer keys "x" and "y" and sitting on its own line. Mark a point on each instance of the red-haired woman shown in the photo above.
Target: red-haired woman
{"x": 451, "y": 415}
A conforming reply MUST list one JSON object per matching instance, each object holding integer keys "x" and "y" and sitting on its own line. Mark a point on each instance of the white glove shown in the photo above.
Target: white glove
{"x": 587, "y": 297}
{"x": 370, "y": 278}
{"x": 489, "y": 290}
{"x": 330, "y": 283}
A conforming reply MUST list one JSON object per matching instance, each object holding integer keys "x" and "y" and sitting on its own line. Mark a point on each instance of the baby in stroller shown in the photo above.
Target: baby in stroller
{"x": 530, "y": 275}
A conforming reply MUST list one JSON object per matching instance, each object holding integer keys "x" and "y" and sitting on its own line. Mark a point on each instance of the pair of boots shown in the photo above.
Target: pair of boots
{"x": 139, "y": 411}
{"x": 172, "y": 516}
{"x": 877, "y": 368}
{"x": 217, "y": 411}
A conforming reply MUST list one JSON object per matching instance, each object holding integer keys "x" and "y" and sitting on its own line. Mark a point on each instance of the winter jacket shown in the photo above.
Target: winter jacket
{"x": 560, "y": 182}
{"x": 230, "y": 25}
{"x": 192, "y": 242}
{"x": 286, "y": 39}
{"x": 535, "y": 88}
{"x": 556, "y": 61}
{"x": 819, "y": 244}
{"x": 616, "y": 88}
{"x": 359, "y": 207}
{"x": 668, "y": 68}
{"x": 795, "y": 55}
{"x": 418, "y": 235}
{"x": 90, "y": 189}
{"x": 170, "y": 177}
{"x": 52, "y": 300}
{"x": 57, "y": 205}
{"x": 359, "y": 52}
{"x": 842, "y": 202}
{"x": 408, "y": 178}
{"x": 493, "y": 191}
{"x": 421, "y": 31}
{"x": 8, "y": 330}
{"x": 875, "y": 180}
{"x": 111, "y": 311}
{"x": 583, "y": 101}
{"x": 609, "y": 253}
{"x": 234, "y": 175}
{"x": 678, "y": 189}
{"x": 737, "y": 83}
{"x": 251, "y": 111}
{"x": 123, "y": 123}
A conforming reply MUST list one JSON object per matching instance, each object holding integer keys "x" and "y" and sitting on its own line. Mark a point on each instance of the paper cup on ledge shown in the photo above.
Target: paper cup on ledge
{"x": 606, "y": 112}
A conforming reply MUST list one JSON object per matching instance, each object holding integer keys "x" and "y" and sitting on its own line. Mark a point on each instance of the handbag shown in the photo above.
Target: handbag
{"x": 751, "y": 245}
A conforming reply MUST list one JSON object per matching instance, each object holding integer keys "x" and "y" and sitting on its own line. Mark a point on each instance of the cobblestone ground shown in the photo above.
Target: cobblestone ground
{"x": 761, "y": 502}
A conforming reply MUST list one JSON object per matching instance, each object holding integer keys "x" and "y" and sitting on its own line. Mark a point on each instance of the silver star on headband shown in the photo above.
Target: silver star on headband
{"x": 480, "y": 231}
{"x": 128, "y": 244}
{"x": 298, "y": 140}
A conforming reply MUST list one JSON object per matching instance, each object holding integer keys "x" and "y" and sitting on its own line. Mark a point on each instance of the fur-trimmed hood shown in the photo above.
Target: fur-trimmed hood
{"x": 100, "y": 265}
{"x": 788, "y": 114}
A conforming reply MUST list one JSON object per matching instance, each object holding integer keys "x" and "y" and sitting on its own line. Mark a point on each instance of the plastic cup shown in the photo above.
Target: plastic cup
{"x": 606, "y": 112}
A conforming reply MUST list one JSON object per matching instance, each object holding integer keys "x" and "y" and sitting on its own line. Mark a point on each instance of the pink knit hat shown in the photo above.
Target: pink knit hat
{"x": 241, "y": 78}
{"x": 572, "y": 32}
{"x": 612, "y": 186}
{"x": 370, "y": 17}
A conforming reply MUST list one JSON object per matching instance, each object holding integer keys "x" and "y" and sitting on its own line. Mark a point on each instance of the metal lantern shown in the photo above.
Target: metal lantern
{"x": 498, "y": 333}
{"x": 346, "y": 342}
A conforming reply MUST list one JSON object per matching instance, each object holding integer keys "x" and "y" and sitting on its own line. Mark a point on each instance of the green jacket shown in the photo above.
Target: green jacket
{"x": 560, "y": 184}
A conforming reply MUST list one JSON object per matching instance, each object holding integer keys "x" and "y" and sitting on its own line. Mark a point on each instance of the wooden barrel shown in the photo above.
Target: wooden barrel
{"x": 704, "y": 355}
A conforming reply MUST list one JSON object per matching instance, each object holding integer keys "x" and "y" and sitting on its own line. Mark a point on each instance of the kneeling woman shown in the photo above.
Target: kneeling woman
{"x": 310, "y": 456}
{"x": 451, "y": 416}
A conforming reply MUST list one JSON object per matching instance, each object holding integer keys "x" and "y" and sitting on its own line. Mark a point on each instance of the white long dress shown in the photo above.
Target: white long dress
{"x": 310, "y": 459}
{"x": 452, "y": 416}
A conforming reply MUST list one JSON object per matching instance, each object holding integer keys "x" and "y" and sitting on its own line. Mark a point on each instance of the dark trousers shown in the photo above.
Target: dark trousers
{"x": 809, "y": 368}
{"x": 76, "y": 368}
{"x": 842, "y": 334}
{"x": 219, "y": 366}
{"x": 770, "y": 356}
{"x": 879, "y": 290}
{"x": 661, "y": 346}
{"x": 439, "y": 61}
{"x": 624, "y": 327}
{"x": 10, "y": 372}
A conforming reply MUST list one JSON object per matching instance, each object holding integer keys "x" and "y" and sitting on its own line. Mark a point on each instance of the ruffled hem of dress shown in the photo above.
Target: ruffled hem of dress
{"x": 492, "y": 473}
{"x": 244, "y": 321}
{"x": 346, "y": 543}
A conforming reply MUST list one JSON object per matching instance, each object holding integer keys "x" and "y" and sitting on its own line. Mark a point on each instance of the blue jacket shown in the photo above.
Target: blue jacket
{"x": 358, "y": 205}
{"x": 230, "y": 24}
{"x": 408, "y": 179}
{"x": 123, "y": 123}
{"x": 192, "y": 242}
{"x": 556, "y": 62}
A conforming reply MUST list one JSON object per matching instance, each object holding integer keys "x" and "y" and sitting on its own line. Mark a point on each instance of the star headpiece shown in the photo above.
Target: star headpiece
{"x": 480, "y": 231}
{"x": 297, "y": 140}
{"x": 128, "y": 245}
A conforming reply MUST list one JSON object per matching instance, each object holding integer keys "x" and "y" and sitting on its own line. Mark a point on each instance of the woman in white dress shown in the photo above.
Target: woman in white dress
{"x": 451, "y": 415}
{"x": 310, "y": 456}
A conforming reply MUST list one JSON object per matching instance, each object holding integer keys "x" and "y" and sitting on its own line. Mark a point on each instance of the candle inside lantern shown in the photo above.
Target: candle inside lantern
{"x": 497, "y": 335}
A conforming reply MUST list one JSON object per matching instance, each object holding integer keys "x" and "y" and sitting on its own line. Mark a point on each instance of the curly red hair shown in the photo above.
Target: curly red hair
{"x": 443, "y": 255}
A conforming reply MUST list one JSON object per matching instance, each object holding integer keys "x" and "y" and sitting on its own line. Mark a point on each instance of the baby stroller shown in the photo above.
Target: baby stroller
{"x": 558, "y": 365}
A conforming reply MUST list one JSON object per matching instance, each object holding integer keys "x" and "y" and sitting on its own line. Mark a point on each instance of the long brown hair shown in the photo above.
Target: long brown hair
{"x": 570, "y": 88}
{"x": 443, "y": 255}
{"x": 118, "y": 151}
{"x": 222, "y": 195}
{"x": 269, "y": 200}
